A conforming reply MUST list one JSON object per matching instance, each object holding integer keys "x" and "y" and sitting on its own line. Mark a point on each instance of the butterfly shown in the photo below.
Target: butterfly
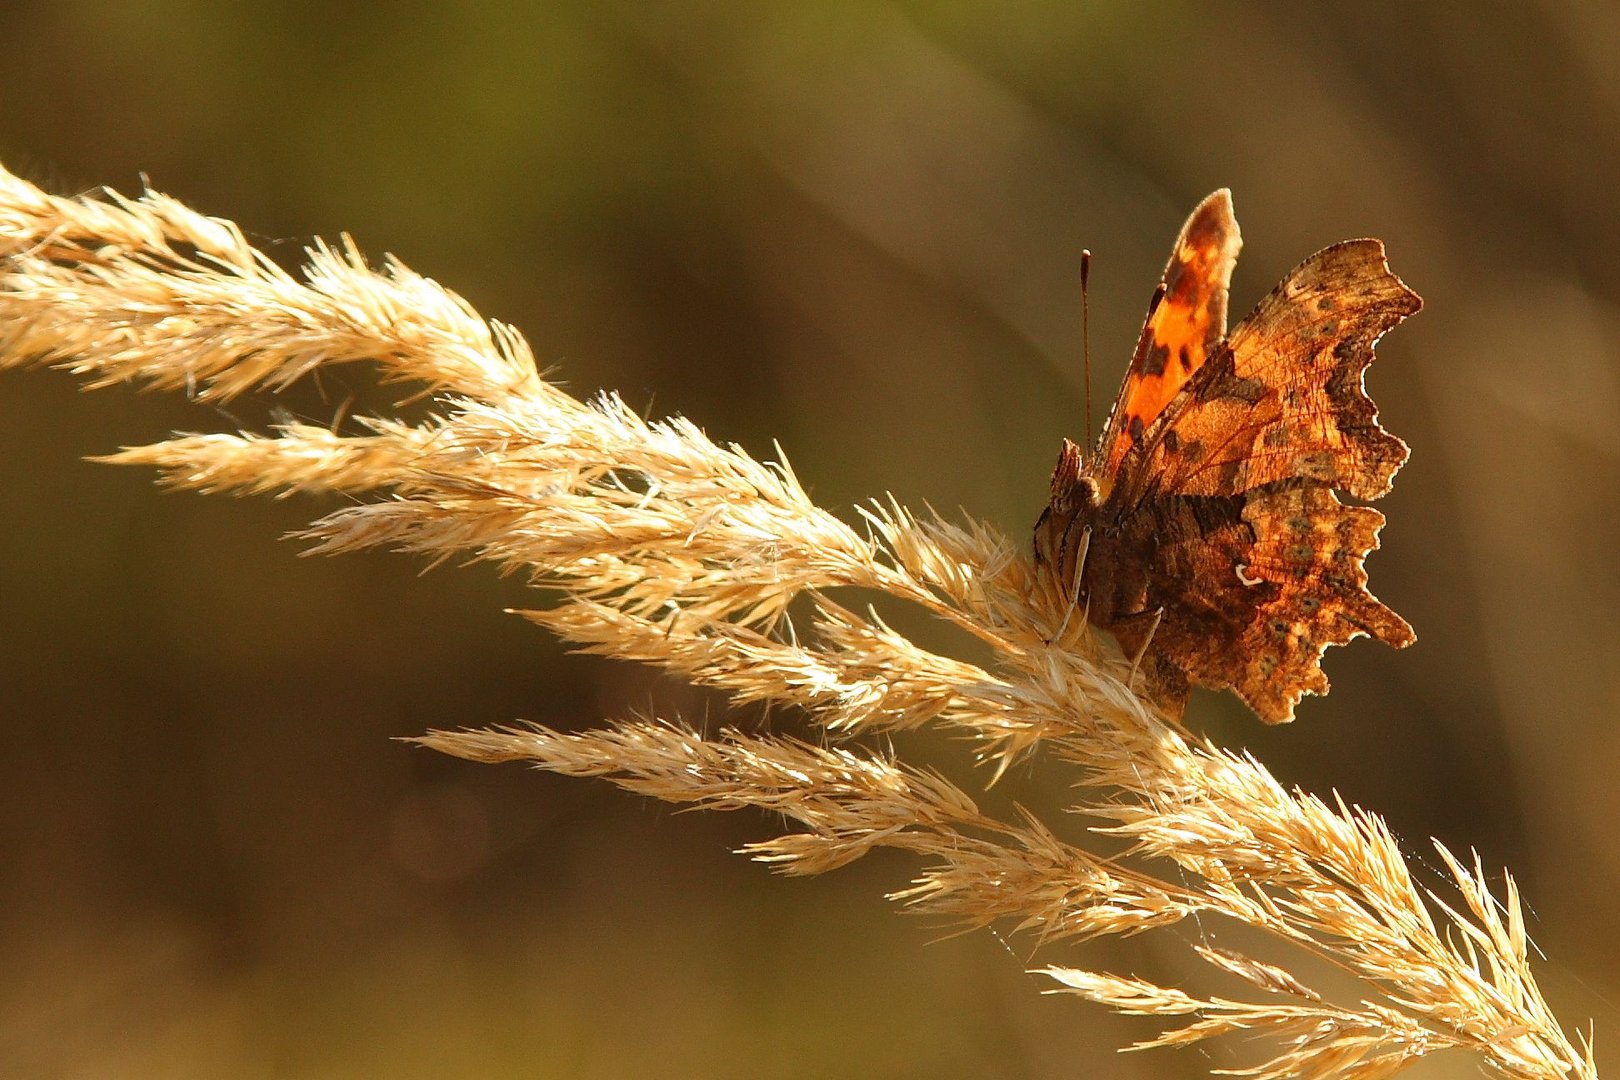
{"x": 1204, "y": 530}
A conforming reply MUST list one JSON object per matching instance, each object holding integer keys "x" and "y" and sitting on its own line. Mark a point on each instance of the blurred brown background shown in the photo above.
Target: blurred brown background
{"x": 853, "y": 227}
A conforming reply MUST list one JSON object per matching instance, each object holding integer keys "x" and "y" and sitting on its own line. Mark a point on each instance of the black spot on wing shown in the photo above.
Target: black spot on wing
{"x": 1156, "y": 360}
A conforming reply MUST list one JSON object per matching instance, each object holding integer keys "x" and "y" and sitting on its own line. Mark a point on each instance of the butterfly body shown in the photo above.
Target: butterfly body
{"x": 1203, "y": 530}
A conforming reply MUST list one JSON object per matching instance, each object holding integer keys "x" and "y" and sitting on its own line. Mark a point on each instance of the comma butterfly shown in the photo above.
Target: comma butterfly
{"x": 1203, "y": 531}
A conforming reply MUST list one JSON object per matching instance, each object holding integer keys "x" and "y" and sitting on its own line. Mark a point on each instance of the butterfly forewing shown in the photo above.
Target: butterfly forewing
{"x": 1284, "y": 399}
{"x": 1183, "y": 329}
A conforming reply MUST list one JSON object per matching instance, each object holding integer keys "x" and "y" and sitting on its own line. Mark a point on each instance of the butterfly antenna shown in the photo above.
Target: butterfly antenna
{"x": 1085, "y": 332}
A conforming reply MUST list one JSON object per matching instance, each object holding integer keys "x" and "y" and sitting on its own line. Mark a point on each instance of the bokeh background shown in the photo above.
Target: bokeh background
{"x": 853, "y": 227}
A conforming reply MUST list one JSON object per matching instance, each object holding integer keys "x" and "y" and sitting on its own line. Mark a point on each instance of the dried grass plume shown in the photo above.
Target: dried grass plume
{"x": 656, "y": 544}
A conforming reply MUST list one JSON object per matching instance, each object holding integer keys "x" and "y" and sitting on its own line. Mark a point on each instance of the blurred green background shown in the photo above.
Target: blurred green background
{"x": 853, "y": 227}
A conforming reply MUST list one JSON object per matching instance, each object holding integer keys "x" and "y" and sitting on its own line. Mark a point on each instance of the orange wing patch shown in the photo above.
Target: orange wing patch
{"x": 1185, "y": 325}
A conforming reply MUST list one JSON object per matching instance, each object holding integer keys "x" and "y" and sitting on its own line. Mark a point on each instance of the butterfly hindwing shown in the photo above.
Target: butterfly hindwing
{"x": 1252, "y": 590}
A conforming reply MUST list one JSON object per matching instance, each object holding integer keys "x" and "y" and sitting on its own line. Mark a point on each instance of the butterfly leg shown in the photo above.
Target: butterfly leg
{"x": 1153, "y": 627}
{"x": 1079, "y": 577}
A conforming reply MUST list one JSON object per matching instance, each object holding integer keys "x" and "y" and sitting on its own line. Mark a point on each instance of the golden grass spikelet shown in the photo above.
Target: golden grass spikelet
{"x": 658, "y": 545}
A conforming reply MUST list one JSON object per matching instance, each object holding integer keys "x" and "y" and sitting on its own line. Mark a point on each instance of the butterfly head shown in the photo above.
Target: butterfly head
{"x": 1063, "y": 533}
